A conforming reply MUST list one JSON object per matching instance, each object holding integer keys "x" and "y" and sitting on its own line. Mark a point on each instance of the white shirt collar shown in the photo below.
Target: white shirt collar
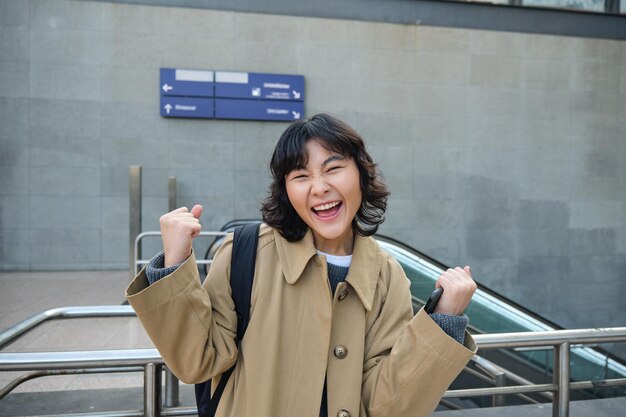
{"x": 339, "y": 260}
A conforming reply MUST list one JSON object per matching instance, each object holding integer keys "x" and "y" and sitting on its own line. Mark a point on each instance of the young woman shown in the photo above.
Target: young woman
{"x": 331, "y": 329}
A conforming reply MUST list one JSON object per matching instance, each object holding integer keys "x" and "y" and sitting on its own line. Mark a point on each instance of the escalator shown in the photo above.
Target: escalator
{"x": 493, "y": 313}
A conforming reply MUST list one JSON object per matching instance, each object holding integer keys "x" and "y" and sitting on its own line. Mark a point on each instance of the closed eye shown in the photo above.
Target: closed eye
{"x": 298, "y": 176}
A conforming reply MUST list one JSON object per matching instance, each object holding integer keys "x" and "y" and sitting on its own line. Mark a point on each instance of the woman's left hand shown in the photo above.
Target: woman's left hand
{"x": 458, "y": 288}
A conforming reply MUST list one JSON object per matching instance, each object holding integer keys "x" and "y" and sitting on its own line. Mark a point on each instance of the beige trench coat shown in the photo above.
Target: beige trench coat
{"x": 396, "y": 364}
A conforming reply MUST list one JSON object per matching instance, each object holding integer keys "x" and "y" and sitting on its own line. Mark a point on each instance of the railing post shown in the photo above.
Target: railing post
{"x": 560, "y": 405}
{"x": 500, "y": 381}
{"x": 152, "y": 390}
{"x": 134, "y": 186}
{"x": 171, "y": 193}
{"x": 172, "y": 398}
{"x": 171, "y": 382}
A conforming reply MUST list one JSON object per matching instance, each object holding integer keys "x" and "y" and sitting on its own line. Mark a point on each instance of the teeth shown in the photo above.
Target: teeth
{"x": 326, "y": 206}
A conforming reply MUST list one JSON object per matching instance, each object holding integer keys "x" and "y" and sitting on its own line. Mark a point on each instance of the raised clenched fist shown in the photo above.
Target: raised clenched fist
{"x": 458, "y": 289}
{"x": 178, "y": 228}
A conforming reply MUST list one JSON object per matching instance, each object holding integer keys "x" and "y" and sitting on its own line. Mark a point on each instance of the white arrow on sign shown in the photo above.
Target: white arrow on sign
{"x": 296, "y": 94}
{"x": 168, "y": 108}
{"x": 167, "y": 87}
{"x": 296, "y": 115}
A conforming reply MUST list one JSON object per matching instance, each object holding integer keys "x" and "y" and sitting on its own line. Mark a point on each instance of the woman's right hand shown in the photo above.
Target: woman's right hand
{"x": 178, "y": 228}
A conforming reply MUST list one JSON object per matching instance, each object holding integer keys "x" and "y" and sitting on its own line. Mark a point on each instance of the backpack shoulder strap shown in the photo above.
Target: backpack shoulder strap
{"x": 242, "y": 263}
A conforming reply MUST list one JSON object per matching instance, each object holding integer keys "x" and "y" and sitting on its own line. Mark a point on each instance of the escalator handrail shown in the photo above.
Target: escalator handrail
{"x": 481, "y": 286}
{"x": 491, "y": 293}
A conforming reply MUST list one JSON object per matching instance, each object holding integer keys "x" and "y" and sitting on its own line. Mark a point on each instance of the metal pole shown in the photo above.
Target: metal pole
{"x": 171, "y": 193}
{"x": 560, "y": 405}
{"x": 134, "y": 185}
{"x": 152, "y": 390}
{"x": 500, "y": 381}
{"x": 564, "y": 379}
{"x": 172, "y": 398}
{"x": 556, "y": 377}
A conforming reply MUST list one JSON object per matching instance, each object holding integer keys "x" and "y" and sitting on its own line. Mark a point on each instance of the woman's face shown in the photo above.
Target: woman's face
{"x": 326, "y": 194}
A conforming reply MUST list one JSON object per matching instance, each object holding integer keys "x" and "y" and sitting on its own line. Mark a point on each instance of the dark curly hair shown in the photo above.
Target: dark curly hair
{"x": 290, "y": 153}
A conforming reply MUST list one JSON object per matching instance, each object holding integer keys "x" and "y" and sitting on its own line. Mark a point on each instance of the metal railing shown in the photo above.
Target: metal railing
{"x": 498, "y": 376}
{"x": 559, "y": 340}
{"x": 147, "y": 361}
{"x": 151, "y": 364}
{"x": 13, "y": 333}
{"x": 138, "y": 263}
{"x": 171, "y": 382}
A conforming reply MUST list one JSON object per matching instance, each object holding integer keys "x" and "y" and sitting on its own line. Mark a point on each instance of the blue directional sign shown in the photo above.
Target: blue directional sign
{"x": 250, "y": 85}
{"x": 188, "y": 83}
{"x": 231, "y": 95}
{"x": 192, "y": 107}
{"x": 287, "y": 111}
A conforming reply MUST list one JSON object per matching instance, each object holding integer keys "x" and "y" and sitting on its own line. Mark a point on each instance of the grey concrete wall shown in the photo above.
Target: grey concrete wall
{"x": 505, "y": 151}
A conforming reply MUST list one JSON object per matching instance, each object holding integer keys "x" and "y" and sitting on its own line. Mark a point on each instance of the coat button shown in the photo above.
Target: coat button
{"x": 343, "y": 294}
{"x": 344, "y": 413}
{"x": 341, "y": 351}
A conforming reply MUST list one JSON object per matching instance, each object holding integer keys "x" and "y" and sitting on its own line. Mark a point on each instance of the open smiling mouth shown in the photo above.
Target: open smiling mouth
{"x": 328, "y": 210}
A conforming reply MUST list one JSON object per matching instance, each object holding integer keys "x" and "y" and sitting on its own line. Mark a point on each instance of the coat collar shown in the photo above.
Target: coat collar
{"x": 294, "y": 256}
{"x": 362, "y": 275}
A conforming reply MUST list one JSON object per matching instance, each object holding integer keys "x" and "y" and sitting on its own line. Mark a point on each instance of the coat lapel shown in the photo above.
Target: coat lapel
{"x": 363, "y": 273}
{"x": 365, "y": 269}
{"x": 294, "y": 256}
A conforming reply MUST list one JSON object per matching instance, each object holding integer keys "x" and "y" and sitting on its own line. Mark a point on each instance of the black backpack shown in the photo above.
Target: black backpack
{"x": 242, "y": 265}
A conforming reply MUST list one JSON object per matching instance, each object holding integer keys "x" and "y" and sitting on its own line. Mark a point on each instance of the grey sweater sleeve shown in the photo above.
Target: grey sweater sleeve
{"x": 454, "y": 326}
{"x": 155, "y": 269}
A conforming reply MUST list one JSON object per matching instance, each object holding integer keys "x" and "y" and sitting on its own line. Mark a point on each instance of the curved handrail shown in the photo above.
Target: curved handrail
{"x": 481, "y": 286}
{"x": 550, "y": 338}
{"x": 58, "y": 372}
{"x": 32, "y": 361}
{"x": 16, "y": 331}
